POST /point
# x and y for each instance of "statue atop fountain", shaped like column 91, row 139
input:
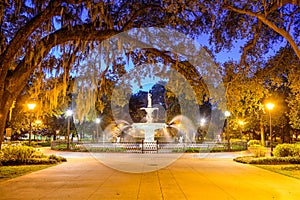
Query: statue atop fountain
column 149, row 100
column 149, row 109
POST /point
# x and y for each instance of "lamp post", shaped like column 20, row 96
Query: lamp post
column 69, row 113
column 201, row 132
column 241, row 123
column 38, row 123
column 227, row 115
column 31, row 107
column 98, row 120
column 270, row 107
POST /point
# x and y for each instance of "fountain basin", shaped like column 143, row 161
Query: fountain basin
column 149, row 129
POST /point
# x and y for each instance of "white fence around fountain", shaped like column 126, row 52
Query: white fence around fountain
column 145, row 147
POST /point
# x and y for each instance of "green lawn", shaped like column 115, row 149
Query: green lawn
column 8, row 172
column 288, row 170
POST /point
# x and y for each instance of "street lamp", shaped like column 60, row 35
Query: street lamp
column 202, row 122
column 31, row 107
column 270, row 107
column 98, row 120
column 69, row 113
column 227, row 115
column 241, row 123
column 201, row 131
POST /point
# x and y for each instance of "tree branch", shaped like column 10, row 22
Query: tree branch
column 129, row 23
column 23, row 34
column 250, row 44
column 180, row 67
column 26, row 67
column 271, row 25
column 279, row 4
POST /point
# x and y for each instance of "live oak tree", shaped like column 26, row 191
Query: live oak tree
column 52, row 36
column 32, row 32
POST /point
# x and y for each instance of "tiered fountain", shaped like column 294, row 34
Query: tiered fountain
column 149, row 127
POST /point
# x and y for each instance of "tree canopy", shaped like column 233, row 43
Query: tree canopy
column 43, row 42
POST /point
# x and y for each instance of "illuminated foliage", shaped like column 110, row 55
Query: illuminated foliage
column 42, row 42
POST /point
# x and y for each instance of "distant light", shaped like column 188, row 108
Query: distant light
column 69, row 113
column 270, row 106
column 202, row 122
column 38, row 121
column 227, row 113
column 98, row 120
column 241, row 122
column 31, row 106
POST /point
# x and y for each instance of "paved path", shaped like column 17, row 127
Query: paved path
column 193, row 176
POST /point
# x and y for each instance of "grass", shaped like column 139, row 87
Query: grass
column 288, row 170
column 8, row 172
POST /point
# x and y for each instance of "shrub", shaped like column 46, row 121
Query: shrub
column 103, row 149
column 177, row 150
column 192, row 150
column 60, row 147
column 287, row 150
column 57, row 158
column 297, row 150
column 32, row 143
column 20, row 155
column 254, row 143
column 257, row 150
column 16, row 154
column 268, row 160
column 41, row 161
column 44, row 144
column 238, row 147
column 72, row 146
column 218, row 149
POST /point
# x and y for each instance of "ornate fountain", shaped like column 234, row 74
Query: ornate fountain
column 149, row 127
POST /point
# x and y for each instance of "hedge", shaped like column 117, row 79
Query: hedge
column 267, row 160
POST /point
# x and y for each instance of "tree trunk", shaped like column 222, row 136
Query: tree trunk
column 5, row 104
column 262, row 133
column 282, row 135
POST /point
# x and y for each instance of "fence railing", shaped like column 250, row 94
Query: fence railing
column 147, row 147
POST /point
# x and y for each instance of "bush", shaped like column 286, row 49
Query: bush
column 238, row 147
column 297, row 150
column 287, row 150
column 268, row 160
column 21, row 155
column 254, row 143
column 257, row 150
column 57, row 158
column 41, row 161
column 32, row 143
column 16, row 154
column 44, row 144
column 106, row 149
column 60, row 147
column 72, row 146
column 215, row 149
column 177, row 150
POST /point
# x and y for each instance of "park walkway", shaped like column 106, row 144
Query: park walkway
column 192, row 176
